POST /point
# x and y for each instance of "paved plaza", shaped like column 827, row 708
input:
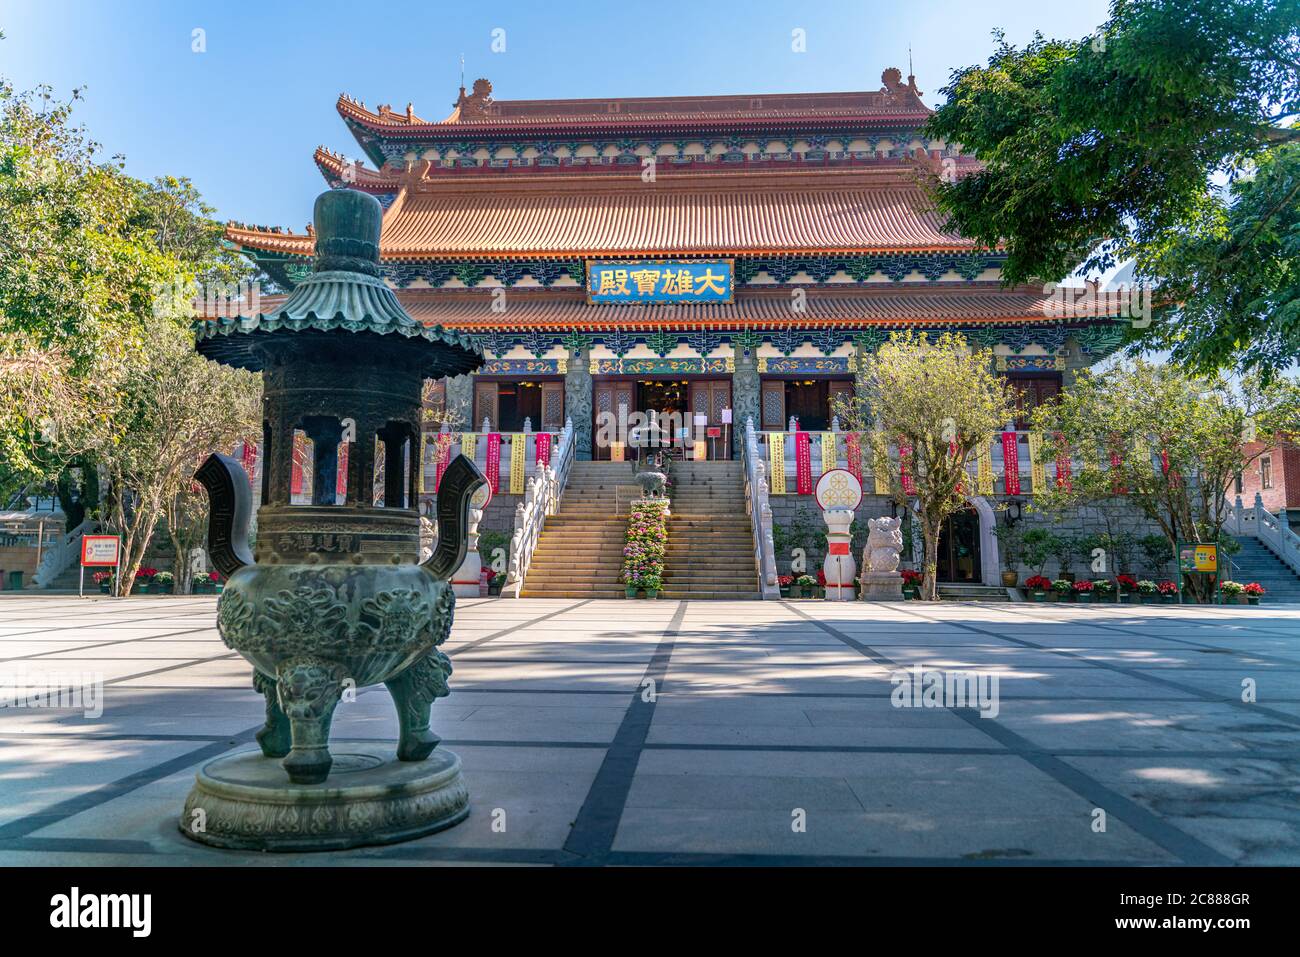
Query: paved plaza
column 618, row 732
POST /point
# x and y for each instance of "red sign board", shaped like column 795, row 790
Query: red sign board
column 100, row 550
column 713, row 432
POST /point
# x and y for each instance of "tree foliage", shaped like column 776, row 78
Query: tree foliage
column 944, row 402
column 1165, row 442
column 1114, row 147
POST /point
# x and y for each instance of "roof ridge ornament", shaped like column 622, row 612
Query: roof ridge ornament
column 895, row 89
column 476, row 104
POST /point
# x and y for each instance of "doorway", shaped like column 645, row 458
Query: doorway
column 959, row 548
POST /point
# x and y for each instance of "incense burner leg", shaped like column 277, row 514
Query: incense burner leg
column 309, row 690
column 414, row 692
column 274, row 738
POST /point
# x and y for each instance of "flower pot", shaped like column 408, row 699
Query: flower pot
column 1252, row 600
column 630, row 591
column 785, row 591
column 652, row 593
column 1168, row 599
column 219, row 586
column 1083, row 597
column 1038, row 595
column 105, row 587
column 1009, row 579
column 494, row 590
column 909, row 591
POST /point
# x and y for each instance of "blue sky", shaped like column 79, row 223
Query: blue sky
column 242, row 118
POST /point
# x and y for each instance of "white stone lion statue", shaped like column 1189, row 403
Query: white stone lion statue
column 884, row 542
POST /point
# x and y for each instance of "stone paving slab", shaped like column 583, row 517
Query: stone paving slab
column 595, row 731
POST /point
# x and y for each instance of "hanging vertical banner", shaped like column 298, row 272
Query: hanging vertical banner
column 904, row 460
column 803, row 463
column 984, row 470
column 494, row 461
column 829, row 458
column 542, row 440
column 880, row 463
column 1063, row 478
column 853, row 452
column 616, row 451
column 518, row 447
column 1011, row 463
column 1164, row 462
column 249, row 461
column 776, row 462
column 469, row 444
column 1037, row 470
column 341, row 484
column 441, row 459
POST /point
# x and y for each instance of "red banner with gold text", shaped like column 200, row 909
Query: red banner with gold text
column 1010, row 463
column 803, row 462
column 494, row 461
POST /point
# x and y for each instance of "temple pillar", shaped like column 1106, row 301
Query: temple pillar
column 745, row 390
column 460, row 401
column 577, row 400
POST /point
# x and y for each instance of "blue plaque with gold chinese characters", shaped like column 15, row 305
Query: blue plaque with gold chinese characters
column 631, row 282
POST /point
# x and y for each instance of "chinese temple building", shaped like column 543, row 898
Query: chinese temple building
column 723, row 258
column 494, row 215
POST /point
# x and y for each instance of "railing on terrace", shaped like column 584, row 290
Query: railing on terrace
column 462, row 440
column 1272, row 531
column 542, row 492
column 840, row 456
column 63, row 552
column 760, row 513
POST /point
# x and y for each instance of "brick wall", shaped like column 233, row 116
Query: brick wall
column 1285, row 491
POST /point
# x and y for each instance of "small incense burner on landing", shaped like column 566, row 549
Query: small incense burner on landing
column 332, row 598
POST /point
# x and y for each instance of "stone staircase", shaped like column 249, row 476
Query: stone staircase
column 954, row 591
column 580, row 551
column 710, row 540
column 1255, row 563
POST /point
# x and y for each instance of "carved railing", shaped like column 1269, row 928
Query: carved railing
column 1272, row 531
column 61, row 553
column 542, row 492
column 760, row 513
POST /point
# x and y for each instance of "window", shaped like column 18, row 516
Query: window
column 1237, row 484
column 1266, row 471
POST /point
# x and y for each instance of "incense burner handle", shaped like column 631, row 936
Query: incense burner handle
column 230, row 506
column 460, row 481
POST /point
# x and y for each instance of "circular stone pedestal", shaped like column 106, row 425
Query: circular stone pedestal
column 246, row 801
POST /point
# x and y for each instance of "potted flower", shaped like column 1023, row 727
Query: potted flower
column 645, row 547
column 784, row 582
column 821, row 584
column 1148, row 592
column 1168, row 591
column 911, row 582
column 1065, row 549
column 1037, row 586
column 164, row 583
column 1013, row 549
column 495, row 584
column 1127, row 586
column 215, row 580
column 1254, row 592
column 143, row 579
column 1063, row 588
column 805, row 586
column 652, row 584
column 1083, row 591
column 1103, row 588
column 1232, row 591
column 104, row 580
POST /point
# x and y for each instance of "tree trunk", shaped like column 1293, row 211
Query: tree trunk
column 930, row 568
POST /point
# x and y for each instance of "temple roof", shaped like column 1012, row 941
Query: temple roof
column 681, row 214
column 563, row 309
column 477, row 112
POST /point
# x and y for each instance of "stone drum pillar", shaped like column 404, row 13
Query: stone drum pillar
column 839, row 493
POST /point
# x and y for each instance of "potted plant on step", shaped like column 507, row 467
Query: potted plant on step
column 784, row 582
column 911, row 582
column 1127, row 586
column 104, row 580
column 1012, row 539
column 1254, row 591
column 1083, row 592
column 1232, row 592
column 1065, row 549
column 1037, row 587
column 164, row 583
column 216, row 581
column 1168, row 591
column 143, row 580
column 805, row 586
column 1148, row 592
column 496, row 584
column 1103, row 588
column 652, row 585
column 1063, row 588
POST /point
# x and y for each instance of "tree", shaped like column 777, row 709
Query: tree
column 940, row 401
column 1114, row 147
column 176, row 408
column 1165, row 442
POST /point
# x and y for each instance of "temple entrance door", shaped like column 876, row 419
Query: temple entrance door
column 607, row 397
column 959, row 548
column 708, row 398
